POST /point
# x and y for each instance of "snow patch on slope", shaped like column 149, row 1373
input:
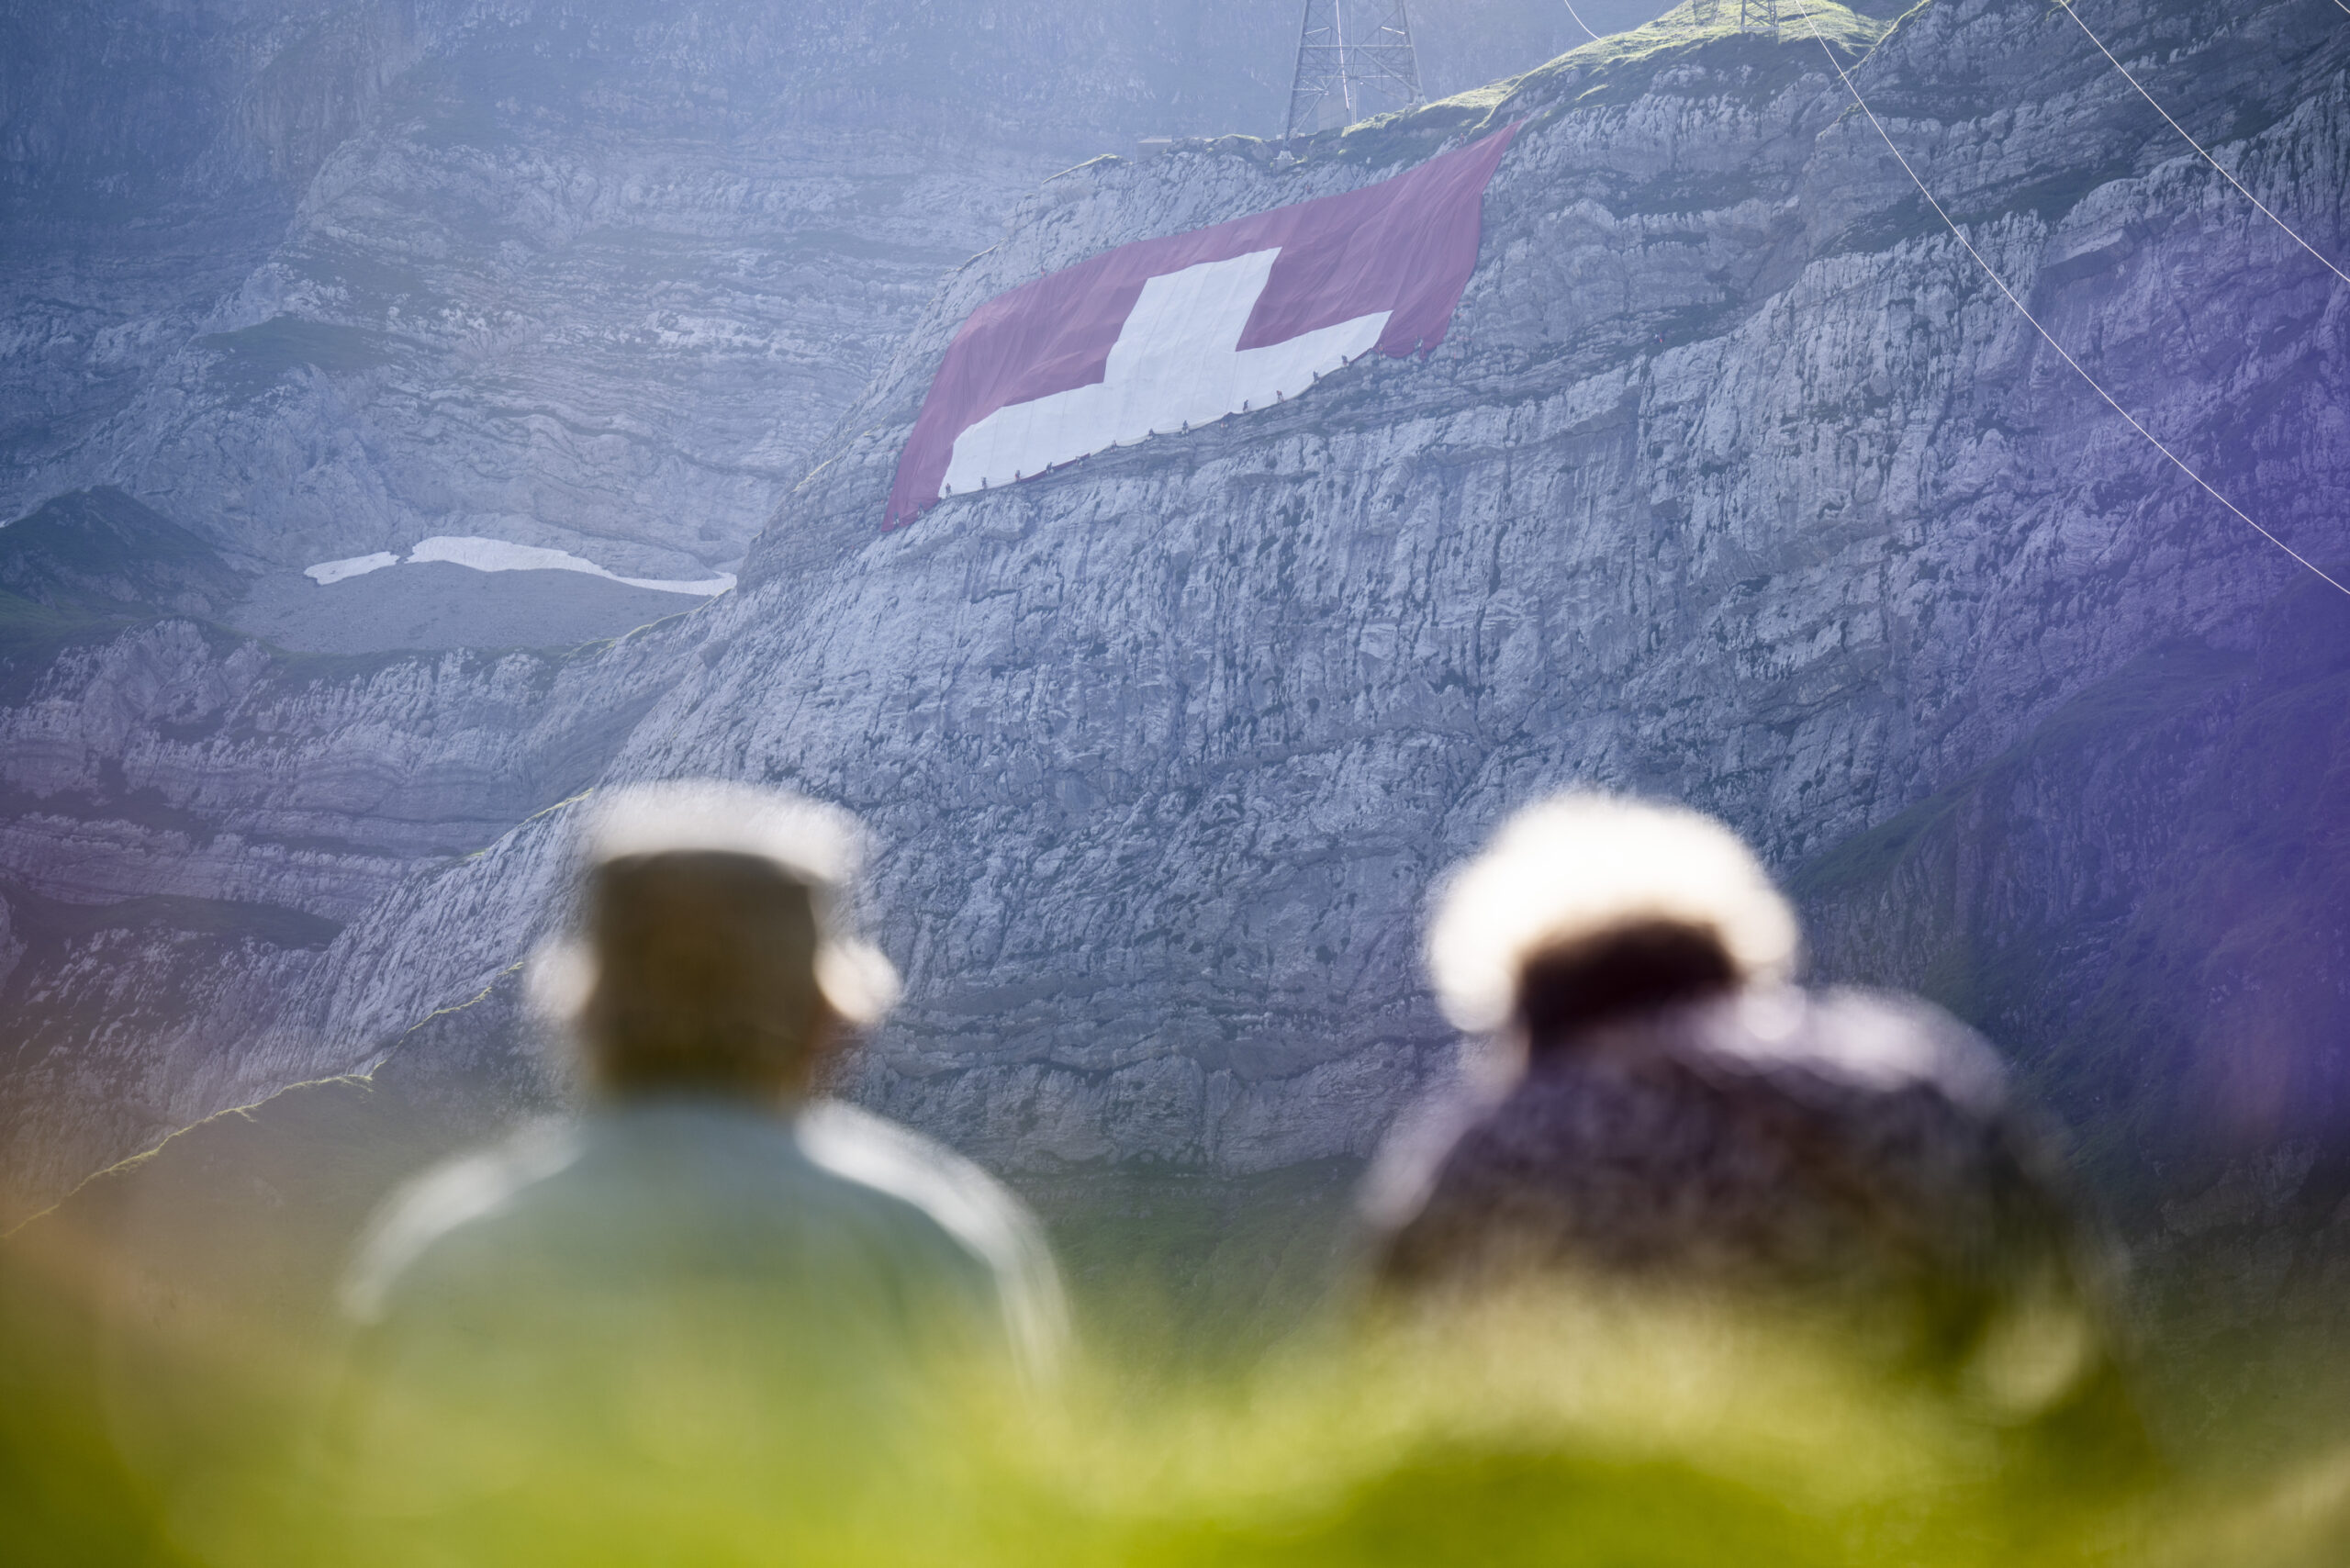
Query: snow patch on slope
column 497, row 555
column 327, row 571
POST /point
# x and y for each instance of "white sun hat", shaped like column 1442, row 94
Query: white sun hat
column 817, row 845
column 1579, row 864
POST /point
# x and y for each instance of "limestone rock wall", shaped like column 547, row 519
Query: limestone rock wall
column 1736, row 482
column 306, row 282
column 192, row 822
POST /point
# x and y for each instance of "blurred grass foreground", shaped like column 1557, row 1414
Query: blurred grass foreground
column 173, row 1379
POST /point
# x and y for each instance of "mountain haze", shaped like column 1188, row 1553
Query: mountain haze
column 1735, row 481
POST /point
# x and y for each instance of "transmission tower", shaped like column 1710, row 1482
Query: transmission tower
column 1377, row 72
column 1751, row 14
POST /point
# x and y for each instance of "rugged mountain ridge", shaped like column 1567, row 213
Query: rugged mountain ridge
column 1734, row 482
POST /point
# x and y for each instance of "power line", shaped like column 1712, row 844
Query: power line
column 2074, row 11
column 2021, row 309
column 1594, row 37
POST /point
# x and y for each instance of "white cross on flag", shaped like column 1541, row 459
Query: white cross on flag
column 1163, row 334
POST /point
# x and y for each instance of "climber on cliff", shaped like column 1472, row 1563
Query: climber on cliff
column 715, row 1276
column 1670, row 1111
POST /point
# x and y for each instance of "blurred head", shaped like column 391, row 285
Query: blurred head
column 714, row 956
column 1587, row 905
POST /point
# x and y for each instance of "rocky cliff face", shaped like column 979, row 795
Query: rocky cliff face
column 295, row 283
column 1736, row 481
column 192, row 822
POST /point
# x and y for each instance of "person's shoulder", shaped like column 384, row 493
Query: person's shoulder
column 1410, row 1159
column 1873, row 1042
column 465, row 1195
column 898, row 1162
column 972, row 1208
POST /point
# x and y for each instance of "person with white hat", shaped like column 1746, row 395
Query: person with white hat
column 714, row 1270
column 1672, row 1112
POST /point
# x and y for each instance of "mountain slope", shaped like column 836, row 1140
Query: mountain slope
column 1735, row 481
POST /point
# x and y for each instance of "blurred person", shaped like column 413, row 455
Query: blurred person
column 1667, row 1110
column 716, row 1298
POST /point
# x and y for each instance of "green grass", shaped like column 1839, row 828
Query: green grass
column 1610, row 71
column 168, row 1365
column 28, row 626
column 32, row 635
column 1568, row 1428
column 1194, row 1268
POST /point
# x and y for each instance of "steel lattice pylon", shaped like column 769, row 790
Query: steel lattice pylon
column 1378, row 72
column 1750, row 13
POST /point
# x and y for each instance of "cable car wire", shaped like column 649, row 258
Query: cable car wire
column 2074, row 11
column 1989, row 271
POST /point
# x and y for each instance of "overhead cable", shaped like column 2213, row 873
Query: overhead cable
column 1989, row 271
column 1594, row 37
column 2074, row 11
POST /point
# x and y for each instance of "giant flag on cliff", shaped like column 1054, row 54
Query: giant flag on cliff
column 1163, row 334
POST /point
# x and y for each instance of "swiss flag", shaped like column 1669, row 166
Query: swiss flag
column 1164, row 334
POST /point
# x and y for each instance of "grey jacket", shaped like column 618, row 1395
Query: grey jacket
column 691, row 1283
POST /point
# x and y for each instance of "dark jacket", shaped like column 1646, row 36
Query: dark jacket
column 1847, row 1152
